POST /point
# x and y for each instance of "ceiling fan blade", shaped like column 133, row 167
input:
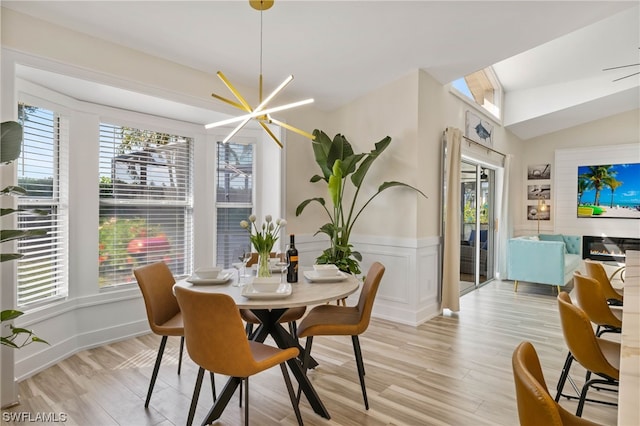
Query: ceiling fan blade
column 621, row 66
column 627, row 76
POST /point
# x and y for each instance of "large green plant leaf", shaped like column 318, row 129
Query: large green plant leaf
column 391, row 184
column 383, row 187
column 14, row 234
column 327, row 228
column 34, row 211
column 14, row 190
column 10, row 141
column 327, row 152
column 359, row 175
column 335, row 184
column 5, row 257
column 349, row 164
column 340, row 149
column 304, row 204
column 9, row 315
column 321, row 146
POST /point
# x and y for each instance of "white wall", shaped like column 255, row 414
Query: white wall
column 118, row 65
column 588, row 140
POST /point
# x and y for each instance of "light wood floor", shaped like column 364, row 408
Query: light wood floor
column 452, row 370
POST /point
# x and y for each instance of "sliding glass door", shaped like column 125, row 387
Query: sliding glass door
column 477, row 238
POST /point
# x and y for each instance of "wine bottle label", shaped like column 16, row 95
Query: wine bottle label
column 293, row 258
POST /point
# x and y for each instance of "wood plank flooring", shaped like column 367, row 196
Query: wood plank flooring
column 452, row 370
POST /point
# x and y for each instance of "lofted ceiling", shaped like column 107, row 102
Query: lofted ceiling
column 549, row 56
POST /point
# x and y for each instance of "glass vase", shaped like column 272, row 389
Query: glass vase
column 263, row 264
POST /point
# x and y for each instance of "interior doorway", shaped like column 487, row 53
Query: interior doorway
column 477, row 236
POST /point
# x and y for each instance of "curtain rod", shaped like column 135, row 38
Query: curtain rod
column 483, row 146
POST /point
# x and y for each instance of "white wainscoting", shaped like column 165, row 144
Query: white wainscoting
column 566, row 190
column 78, row 324
column 408, row 293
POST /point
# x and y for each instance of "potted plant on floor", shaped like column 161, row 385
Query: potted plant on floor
column 339, row 166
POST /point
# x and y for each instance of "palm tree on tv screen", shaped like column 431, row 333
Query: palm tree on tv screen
column 597, row 178
column 613, row 183
column 583, row 186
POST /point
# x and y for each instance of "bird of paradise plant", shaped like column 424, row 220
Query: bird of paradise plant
column 340, row 165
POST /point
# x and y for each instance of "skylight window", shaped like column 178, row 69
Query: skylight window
column 482, row 88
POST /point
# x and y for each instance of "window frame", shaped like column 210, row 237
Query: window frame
column 58, row 202
column 251, row 206
column 498, row 96
column 187, row 205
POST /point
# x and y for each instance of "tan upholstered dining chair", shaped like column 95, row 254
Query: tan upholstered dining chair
column 597, row 355
column 163, row 313
column 333, row 320
column 592, row 300
column 535, row 405
column 217, row 342
column 596, row 271
column 593, row 303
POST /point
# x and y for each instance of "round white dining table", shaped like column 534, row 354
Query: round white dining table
column 303, row 293
column 269, row 309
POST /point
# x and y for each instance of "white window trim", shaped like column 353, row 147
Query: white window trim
column 490, row 116
column 50, row 101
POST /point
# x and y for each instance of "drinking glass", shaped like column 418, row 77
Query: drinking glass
column 238, row 253
column 245, row 259
column 282, row 263
column 243, row 254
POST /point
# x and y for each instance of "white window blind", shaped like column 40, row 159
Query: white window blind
column 145, row 202
column 234, row 199
column 42, row 271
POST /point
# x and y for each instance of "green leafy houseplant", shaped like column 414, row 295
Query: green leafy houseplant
column 339, row 166
column 10, row 147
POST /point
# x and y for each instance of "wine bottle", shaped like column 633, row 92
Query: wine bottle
column 292, row 260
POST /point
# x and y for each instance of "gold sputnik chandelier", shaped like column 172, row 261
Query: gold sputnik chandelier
column 262, row 112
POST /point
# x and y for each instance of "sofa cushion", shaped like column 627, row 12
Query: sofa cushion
column 573, row 244
column 553, row 237
column 572, row 262
column 484, row 233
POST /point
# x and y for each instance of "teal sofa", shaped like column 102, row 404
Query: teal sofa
column 544, row 259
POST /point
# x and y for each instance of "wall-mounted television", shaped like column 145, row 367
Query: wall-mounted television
column 609, row 191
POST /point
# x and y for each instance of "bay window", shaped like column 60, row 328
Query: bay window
column 146, row 204
column 234, row 199
column 42, row 269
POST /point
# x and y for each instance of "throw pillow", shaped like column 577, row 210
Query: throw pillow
column 554, row 237
column 483, row 238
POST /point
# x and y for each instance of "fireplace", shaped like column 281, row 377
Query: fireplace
column 608, row 249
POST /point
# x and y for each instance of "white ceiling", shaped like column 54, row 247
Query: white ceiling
column 548, row 55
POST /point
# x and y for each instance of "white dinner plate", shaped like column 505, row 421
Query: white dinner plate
column 220, row 279
column 315, row 278
column 280, row 292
